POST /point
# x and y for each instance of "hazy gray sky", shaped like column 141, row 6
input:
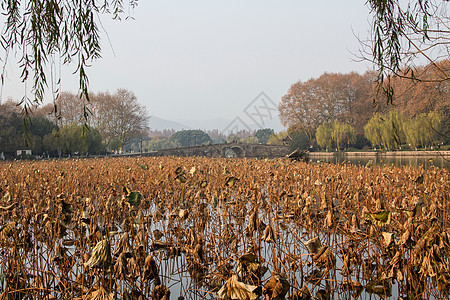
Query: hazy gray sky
column 206, row 59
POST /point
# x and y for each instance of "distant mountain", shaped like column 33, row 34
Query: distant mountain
column 224, row 125
column 207, row 124
column 156, row 123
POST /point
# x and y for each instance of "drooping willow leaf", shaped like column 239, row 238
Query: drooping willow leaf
column 68, row 30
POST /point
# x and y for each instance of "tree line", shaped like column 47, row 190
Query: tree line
column 348, row 110
column 73, row 125
column 106, row 123
column 333, row 111
column 195, row 137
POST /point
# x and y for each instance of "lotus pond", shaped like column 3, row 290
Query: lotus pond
column 200, row 228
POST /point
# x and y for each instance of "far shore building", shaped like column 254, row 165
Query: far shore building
column 23, row 152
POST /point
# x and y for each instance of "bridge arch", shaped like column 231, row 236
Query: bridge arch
column 233, row 151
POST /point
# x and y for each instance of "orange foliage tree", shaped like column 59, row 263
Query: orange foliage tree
column 346, row 98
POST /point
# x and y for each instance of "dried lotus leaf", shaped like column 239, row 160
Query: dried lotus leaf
column 388, row 239
column 157, row 234
column 352, row 285
column 133, row 268
column 236, row 290
column 405, row 238
column 253, row 221
column 382, row 288
column 178, row 170
column 324, row 258
column 183, row 214
column 269, row 236
column 8, row 207
column 301, row 294
column 7, row 197
column 192, row 170
column 151, row 270
column 313, row 245
column 276, row 287
column 329, row 220
column 121, row 267
column 180, row 178
column 100, row 294
column 6, row 230
column 160, row 292
column 101, row 255
column 123, row 246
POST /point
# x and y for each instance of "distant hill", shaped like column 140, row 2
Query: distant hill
column 156, row 123
column 222, row 124
column 219, row 124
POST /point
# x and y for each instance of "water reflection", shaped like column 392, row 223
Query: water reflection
column 414, row 161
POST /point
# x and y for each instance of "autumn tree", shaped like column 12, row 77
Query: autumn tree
column 343, row 97
column 250, row 140
column 119, row 117
column 374, row 130
column 444, row 128
column 416, row 97
column 39, row 129
column 68, row 108
column 299, row 140
column 298, row 108
column 10, row 127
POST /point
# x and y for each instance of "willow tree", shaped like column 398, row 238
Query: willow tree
column 374, row 130
column 420, row 130
column 386, row 130
column 343, row 133
column 335, row 133
column 323, row 136
column 48, row 33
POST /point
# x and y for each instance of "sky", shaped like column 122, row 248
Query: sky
column 210, row 59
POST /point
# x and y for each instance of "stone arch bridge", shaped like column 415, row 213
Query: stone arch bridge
column 225, row 150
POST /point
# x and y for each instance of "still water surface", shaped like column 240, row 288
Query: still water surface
column 426, row 162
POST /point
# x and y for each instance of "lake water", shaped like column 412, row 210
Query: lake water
column 425, row 161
